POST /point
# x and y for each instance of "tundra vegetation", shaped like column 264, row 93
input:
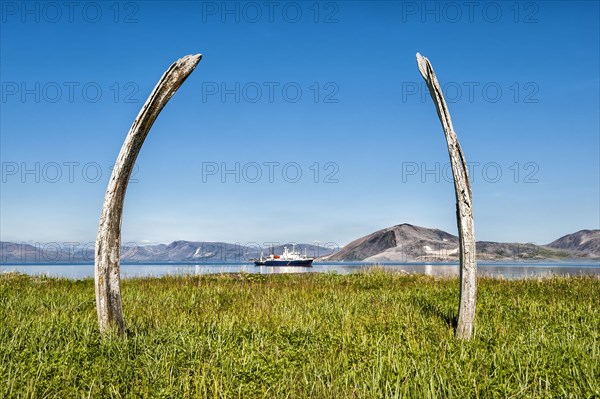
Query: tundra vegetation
column 365, row 335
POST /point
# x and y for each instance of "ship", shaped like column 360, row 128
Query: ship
column 288, row 258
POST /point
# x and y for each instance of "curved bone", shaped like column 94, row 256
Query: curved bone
column 464, row 209
column 108, row 242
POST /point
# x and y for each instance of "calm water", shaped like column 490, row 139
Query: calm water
column 507, row 270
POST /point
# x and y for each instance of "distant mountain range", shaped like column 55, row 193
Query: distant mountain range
column 400, row 243
column 408, row 243
column 177, row 251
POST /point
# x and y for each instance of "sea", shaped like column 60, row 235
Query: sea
column 504, row 270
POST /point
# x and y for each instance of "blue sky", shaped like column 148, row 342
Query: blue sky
column 303, row 122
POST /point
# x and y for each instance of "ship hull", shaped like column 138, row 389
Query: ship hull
column 280, row 262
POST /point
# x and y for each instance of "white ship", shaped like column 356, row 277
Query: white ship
column 288, row 258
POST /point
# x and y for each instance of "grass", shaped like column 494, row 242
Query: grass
column 366, row 335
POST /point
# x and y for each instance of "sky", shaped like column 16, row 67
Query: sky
column 304, row 121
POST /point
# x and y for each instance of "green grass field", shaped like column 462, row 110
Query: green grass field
column 366, row 335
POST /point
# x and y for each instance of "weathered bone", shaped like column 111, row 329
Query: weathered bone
column 107, row 272
column 464, row 209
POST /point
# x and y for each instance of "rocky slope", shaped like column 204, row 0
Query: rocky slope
column 408, row 243
column 584, row 243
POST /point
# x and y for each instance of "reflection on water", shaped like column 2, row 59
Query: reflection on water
column 283, row 269
column 500, row 270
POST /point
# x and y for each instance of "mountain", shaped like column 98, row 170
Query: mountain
column 188, row 251
column 13, row 252
column 585, row 243
column 177, row 251
column 400, row 243
column 403, row 242
column 408, row 243
column 192, row 251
